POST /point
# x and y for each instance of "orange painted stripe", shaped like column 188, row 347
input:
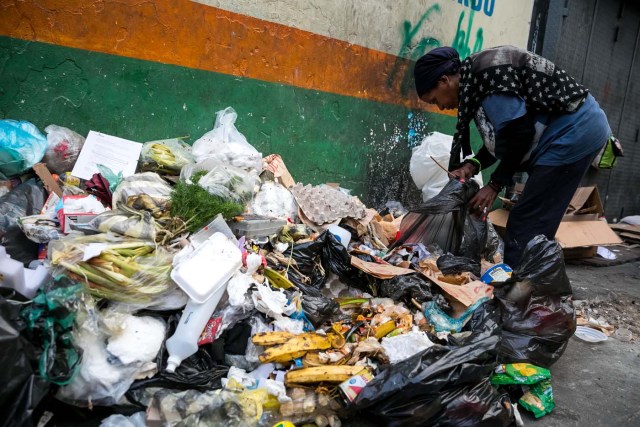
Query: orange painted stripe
column 194, row 35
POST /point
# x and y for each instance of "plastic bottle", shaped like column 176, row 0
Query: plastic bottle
column 184, row 342
column 11, row 272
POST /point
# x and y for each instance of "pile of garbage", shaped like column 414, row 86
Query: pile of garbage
column 202, row 284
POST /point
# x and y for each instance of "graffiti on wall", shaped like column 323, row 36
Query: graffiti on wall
column 466, row 40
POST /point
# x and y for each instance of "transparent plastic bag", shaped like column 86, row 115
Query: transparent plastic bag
column 64, row 147
column 116, row 268
column 104, row 377
column 147, row 185
column 21, row 146
column 222, row 180
column 126, row 222
column 274, row 201
column 166, row 156
column 226, row 144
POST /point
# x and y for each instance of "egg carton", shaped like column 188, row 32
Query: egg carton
column 323, row 204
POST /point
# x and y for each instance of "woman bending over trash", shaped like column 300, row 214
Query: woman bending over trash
column 531, row 116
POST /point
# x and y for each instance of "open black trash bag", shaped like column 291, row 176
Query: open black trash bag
column 26, row 199
column 315, row 259
column 22, row 388
column 538, row 317
column 441, row 219
column 451, row 264
column 443, row 385
column 410, row 286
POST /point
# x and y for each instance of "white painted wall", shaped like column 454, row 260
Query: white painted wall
column 383, row 24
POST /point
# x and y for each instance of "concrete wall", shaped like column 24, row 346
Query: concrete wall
column 327, row 84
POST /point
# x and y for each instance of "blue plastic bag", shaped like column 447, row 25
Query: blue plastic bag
column 21, row 146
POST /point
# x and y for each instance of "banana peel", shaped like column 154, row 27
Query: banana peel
column 292, row 348
column 267, row 339
column 277, row 279
column 322, row 374
column 384, row 329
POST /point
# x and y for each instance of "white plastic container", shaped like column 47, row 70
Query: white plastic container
column 184, row 342
column 13, row 275
column 11, row 272
column 343, row 235
column 208, row 267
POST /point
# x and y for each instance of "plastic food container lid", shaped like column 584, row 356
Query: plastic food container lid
column 210, row 266
column 590, row 334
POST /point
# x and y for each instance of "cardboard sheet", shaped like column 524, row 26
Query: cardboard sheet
column 571, row 234
column 466, row 294
column 381, row 271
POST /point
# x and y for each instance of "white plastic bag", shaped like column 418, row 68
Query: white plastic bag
column 226, row 144
column 426, row 174
column 64, row 146
column 274, row 201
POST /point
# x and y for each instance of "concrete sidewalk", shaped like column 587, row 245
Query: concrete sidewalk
column 599, row 384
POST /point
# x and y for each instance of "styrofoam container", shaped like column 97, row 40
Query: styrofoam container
column 207, row 268
column 589, row 334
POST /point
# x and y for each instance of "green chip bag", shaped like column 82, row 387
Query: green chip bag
column 519, row 373
column 539, row 399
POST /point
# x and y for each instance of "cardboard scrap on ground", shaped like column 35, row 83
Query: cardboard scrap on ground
column 386, row 228
column 466, row 294
column 276, row 166
column 381, row 271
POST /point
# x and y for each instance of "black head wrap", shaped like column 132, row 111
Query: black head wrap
column 432, row 66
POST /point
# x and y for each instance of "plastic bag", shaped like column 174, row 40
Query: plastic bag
column 21, row 146
column 126, row 222
column 274, row 201
column 118, row 420
column 439, row 386
column 440, row 220
column 49, row 319
column 225, row 181
column 22, row 387
column 226, row 144
column 449, row 264
column 64, row 147
column 147, row 184
column 166, row 156
column 426, row 174
column 117, row 268
column 538, row 316
column 410, row 286
column 24, row 200
column 320, row 309
column 117, row 347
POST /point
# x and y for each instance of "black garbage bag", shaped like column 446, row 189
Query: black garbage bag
column 22, row 388
column 309, row 273
column 315, row 259
column 408, row 287
column 451, row 264
column 320, row 309
column 441, row 219
column 26, row 199
column 474, row 239
column 199, row 371
column 538, row 317
column 419, row 390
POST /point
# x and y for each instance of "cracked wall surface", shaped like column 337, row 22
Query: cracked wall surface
column 142, row 70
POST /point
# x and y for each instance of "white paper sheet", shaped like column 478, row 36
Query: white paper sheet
column 119, row 155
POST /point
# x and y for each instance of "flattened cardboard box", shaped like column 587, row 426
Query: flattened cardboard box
column 571, row 234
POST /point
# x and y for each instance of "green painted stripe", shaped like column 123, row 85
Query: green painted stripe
column 322, row 137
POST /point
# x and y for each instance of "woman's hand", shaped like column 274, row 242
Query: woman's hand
column 465, row 172
column 482, row 202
